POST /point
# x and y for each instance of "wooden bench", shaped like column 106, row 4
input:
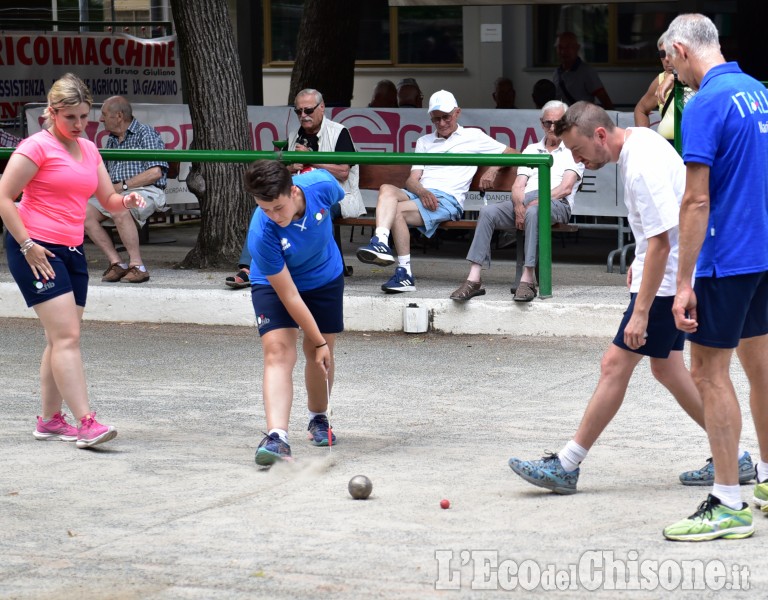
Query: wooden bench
column 372, row 177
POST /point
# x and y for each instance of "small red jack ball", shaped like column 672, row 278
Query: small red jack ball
column 445, row 503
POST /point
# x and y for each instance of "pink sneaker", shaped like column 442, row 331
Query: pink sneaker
column 55, row 429
column 92, row 432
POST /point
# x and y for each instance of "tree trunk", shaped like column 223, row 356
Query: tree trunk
column 326, row 50
column 216, row 99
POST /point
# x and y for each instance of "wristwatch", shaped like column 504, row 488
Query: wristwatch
column 125, row 186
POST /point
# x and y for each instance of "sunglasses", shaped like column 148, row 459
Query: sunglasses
column 662, row 54
column 446, row 118
column 547, row 123
column 306, row 111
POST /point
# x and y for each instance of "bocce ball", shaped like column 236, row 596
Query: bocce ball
column 360, row 487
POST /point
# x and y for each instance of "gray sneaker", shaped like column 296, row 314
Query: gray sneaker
column 547, row 473
column 706, row 475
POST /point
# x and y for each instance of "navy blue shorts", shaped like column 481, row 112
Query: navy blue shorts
column 663, row 336
column 730, row 309
column 70, row 267
column 326, row 304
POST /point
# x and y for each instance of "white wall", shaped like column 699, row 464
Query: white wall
column 483, row 62
column 472, row 85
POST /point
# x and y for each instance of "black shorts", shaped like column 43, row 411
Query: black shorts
column 663, row 336
column 326, row 304
column 70, row 267
column 729, row 309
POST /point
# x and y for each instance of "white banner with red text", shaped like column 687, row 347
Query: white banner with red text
column 111, row 64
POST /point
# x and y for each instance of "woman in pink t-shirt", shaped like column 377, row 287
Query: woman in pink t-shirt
column 55, row 172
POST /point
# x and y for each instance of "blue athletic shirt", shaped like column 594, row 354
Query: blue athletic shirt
column 306, row 246
column 725, row 126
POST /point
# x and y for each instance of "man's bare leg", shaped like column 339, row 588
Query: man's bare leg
column 129, row 235
column 710, row 368
column 753, row 355
column 98, row 235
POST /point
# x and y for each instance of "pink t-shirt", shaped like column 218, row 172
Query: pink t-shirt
column 53, row 203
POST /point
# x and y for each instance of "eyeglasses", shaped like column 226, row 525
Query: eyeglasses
column 547, row 124
column 662, row 54
column 446, row 118
column 306, row 111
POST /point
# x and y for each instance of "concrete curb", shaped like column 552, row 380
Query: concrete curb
column 362, row 312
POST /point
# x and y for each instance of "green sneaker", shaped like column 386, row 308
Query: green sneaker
column 713, row 520
column 761, row 495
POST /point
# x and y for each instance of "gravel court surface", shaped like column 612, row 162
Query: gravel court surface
column 175, row 507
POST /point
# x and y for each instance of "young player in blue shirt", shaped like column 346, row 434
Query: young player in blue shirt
column 297, row 281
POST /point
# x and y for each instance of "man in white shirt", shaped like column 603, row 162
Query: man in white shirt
column 654, row 182
column 523, row 210
column 432, row 194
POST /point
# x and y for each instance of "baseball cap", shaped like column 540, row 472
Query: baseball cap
column 442, row 101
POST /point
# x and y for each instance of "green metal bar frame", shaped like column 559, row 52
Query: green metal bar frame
column 543, row 162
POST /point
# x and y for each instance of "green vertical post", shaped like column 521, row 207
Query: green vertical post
column 677, row 90
column 545, row 232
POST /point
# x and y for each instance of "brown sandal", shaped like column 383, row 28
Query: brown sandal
column 525, row 292
column 467, row 290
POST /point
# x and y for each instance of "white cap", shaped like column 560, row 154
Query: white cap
column 442, row 101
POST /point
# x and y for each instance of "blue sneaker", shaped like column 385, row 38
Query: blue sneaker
column 272, row 449
column 317, row 431
column 706, row 475
column 399, row 282
column 376, row 253
column 547, row 473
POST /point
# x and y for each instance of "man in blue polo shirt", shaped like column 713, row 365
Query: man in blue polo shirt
column 723, row 224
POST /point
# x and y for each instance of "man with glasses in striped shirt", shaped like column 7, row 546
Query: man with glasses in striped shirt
column 148, row 178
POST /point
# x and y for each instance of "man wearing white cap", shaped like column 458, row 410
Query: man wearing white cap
column 432, row 194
